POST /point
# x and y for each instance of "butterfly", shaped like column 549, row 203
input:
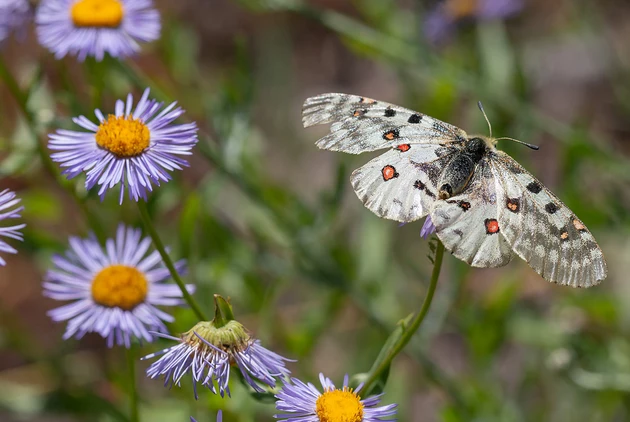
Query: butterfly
column 484, row 205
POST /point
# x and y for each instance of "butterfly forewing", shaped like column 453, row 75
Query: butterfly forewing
column 468, row 224
column 543, row 231
column 360, row 124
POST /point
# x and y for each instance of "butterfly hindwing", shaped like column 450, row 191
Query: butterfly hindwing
column 468, row 224
column 360, row 124
column 400, row 184
column 543, row 231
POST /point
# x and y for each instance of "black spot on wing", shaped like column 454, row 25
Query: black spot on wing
column 551, row 208
column 415, row 118
column 534, row 187
column 390, row 112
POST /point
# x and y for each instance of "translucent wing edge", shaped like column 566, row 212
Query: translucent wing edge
column 508, row 164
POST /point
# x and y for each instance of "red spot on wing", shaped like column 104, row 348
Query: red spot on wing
column 389, row 172
column 492, row 226
column 403, row 147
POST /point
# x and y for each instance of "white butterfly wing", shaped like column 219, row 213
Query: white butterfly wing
column 467, row 224
column 543, row 231
column 401, row 183
column 360, row 124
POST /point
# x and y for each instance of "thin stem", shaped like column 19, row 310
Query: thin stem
column 157, row 242
column 133, row 391
column 21, row 98
column 415, row 324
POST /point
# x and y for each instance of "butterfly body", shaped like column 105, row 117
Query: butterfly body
column 485, row 206
column 460, row 169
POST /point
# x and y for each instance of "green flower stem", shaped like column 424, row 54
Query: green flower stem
column 22, row 101
column 148, row 224
column 21, row 98
column 384, row 365
column 133, row 391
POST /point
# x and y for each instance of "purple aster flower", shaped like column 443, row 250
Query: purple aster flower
column 85, row 28
column 427, row 228
column 8, row 201
column 13, row 16
column 442, row 21
column 130, row 148
column 114, row 289
column 208, row 352
column 302, row 402
column 219, row 417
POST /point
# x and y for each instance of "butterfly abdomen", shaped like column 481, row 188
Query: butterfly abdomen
column 460, row 169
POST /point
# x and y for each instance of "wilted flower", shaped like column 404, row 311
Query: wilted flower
column 13, row 15
column 8, row 201
column 209, row 349
column 115, row 289
column 94, row 27
column 302, row 402
column 443, row 19
column 133, row 149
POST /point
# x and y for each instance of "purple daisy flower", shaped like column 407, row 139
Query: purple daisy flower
column 208, row 352
column 85, row 28
column 13, row 15
column 219, row 417
column 8, row 201
column 114, row 289
column 305, row 403
column 427, row 228
column 132, row 148
column 442, row 21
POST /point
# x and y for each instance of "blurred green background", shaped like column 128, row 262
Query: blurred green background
column 266, row 218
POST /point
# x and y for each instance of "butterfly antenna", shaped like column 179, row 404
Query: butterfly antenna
column 534, row 147
column 484, row 115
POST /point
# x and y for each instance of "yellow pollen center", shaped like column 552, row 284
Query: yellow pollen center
column 97, row 13
column 339, row 406
column 123, row 136
column 460, row 8
column 119, row 286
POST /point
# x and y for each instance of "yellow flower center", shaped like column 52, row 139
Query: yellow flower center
column 119, row 286
column 339, row 406
column 97, row 13
column 460, row 8
column 123, row 136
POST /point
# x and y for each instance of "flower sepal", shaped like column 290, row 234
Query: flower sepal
column 222, row 311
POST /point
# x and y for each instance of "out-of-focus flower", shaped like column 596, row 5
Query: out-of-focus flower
column 302, row 402
column 8, row 210
column 13, row 15
column 219, row 417
column 209, row 349
column 130, row 148
column 114, row 289
column 442, row 21
column 427, row 228
column 94, row 27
